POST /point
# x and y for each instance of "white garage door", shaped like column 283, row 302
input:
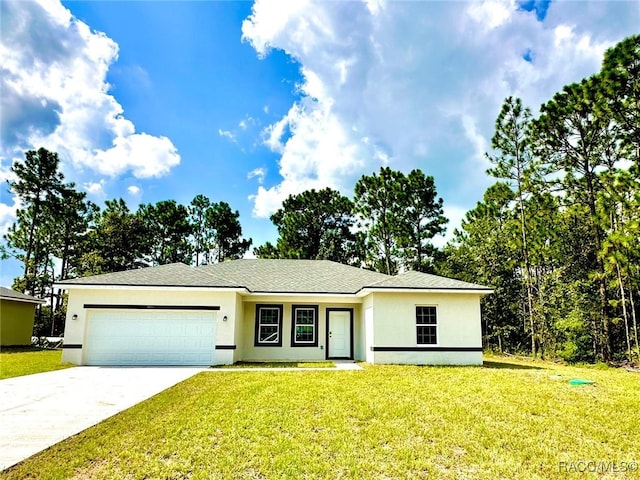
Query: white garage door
column 153, row 337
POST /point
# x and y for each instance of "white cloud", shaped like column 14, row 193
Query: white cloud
column 246, row 122
column 258, row 173
column 8, row 215
column 95, row 189
column 227, row 134
column 55, row 94
column 134, row 190
column 416, row 84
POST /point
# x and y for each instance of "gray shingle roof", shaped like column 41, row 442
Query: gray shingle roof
column 295, row 276
column 274, row 276
column 170, row 275
column 418, row 280
column 7, row 293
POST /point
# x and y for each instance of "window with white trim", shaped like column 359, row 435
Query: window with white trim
column 304, row 326
column 427, row 325
column 268, row 326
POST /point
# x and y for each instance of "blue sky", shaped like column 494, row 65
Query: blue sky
column 250, row 102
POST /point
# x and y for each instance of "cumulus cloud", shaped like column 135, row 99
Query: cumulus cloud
column 8, row 215
column 416, row 84
column 258, row 173
column 55, row 94
column 134, row 190
column 96, row 189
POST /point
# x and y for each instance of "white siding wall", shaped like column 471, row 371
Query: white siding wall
column 368, row 328
column 252, row 353
column 458, row 326
column 75, row 330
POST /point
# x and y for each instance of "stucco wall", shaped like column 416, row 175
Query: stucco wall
column 252, row 353
column 75, row 330
column 16, row 322
column 458, row 325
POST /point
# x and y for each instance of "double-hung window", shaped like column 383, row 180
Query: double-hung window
column 304, row 326
column 268, row 326
column 427, row 325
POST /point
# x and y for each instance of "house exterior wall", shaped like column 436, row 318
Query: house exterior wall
column 239, row 330
column 458, row 328
column 16, row 322
column 286, row 352
column 76, row 330
column 384, row 324
column 367, row 309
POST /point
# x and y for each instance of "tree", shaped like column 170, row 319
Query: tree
column 38, row 182
column 118, row 240
column 573, row 139
column 401, row 215
column 423, row 220
column 201, row 233
column 379, row 200
column 620, row 86
column 226, row 238
column 513, row 163
column 169, row 229
column 481, row 251
column 315, row 224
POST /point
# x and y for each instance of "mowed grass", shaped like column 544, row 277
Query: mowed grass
column 18, row 361
column 282, row 365
column 508, row 420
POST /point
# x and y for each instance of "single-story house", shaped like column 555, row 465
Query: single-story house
column 270, row 310
column 17, row 313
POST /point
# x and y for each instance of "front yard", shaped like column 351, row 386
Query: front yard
column 18, row 361
column 508, row 420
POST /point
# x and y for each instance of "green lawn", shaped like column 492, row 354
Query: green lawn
column 18, row 361
column 508, row 420
column 282, row 365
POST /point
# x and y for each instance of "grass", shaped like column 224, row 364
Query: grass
column 509, row 420
column 282, row 365
column 18, row 361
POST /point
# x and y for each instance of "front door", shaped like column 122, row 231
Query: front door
column 340, row 333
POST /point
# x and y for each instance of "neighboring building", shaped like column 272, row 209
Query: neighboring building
column 17, row 313
column 270, row 310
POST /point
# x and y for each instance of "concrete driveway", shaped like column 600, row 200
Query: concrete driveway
column 37, row 411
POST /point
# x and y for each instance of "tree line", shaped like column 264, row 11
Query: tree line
column 59, row 234
column 558, row 234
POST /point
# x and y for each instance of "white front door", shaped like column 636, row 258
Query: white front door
column 339, row 325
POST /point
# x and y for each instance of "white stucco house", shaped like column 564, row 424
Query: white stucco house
column 271, row 310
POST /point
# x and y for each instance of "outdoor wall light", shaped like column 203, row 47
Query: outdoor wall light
column 224, row 319
column 74, row 316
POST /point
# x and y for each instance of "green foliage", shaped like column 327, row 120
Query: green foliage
column 118, row 241
column 400, row 215
column 216, row 231
column 315, row 224
column 562, row 252
column 169, row 229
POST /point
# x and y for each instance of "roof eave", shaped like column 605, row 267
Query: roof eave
column 35, row 301
column 119, row 286
column 367, row 290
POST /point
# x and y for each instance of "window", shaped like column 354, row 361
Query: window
column 268, row 326
column 304, row 326
column 426, row 325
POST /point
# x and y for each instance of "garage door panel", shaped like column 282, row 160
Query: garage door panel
column 134, row 337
